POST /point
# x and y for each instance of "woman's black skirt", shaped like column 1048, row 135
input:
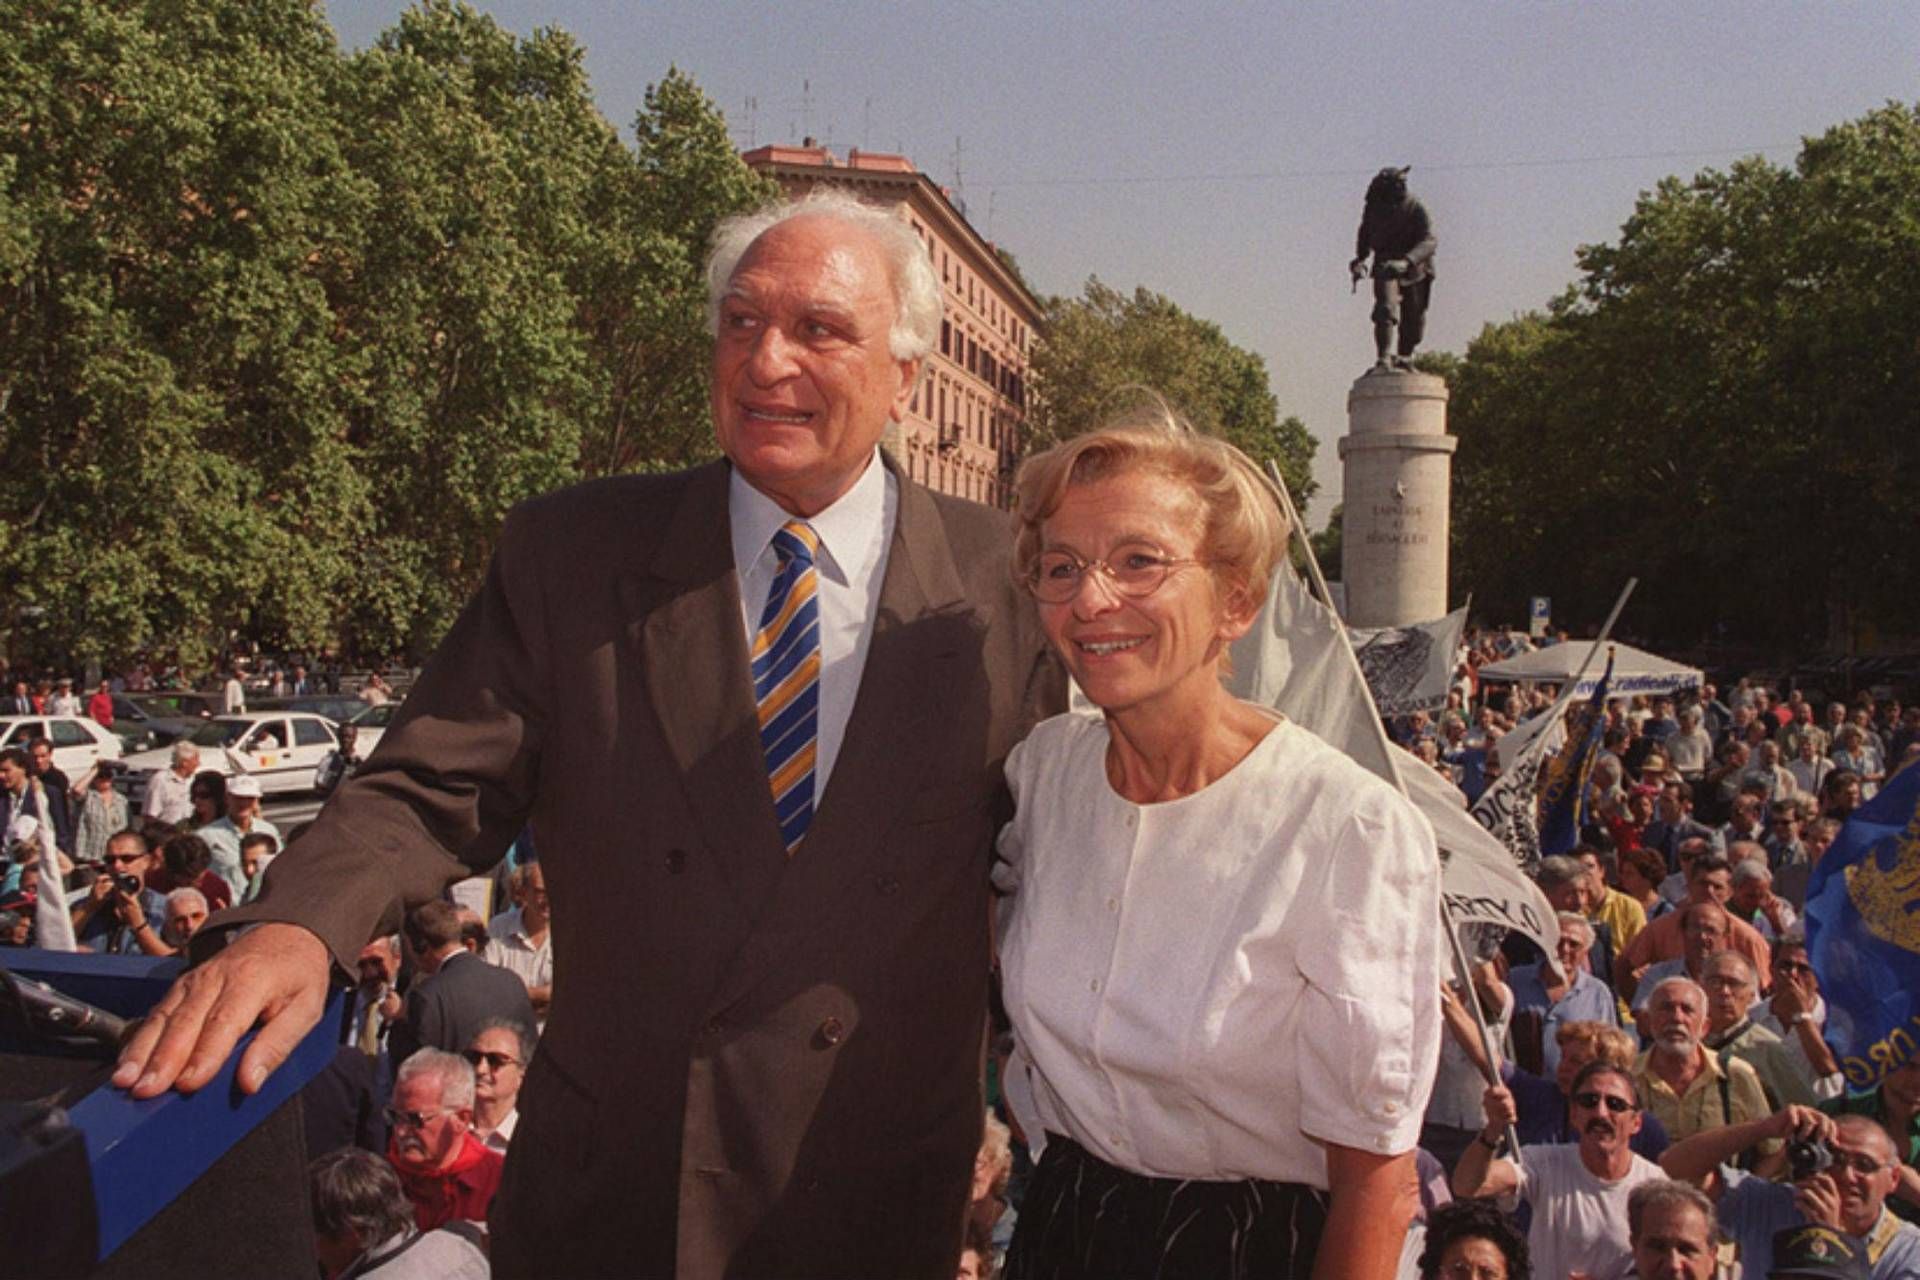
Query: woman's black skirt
column 1084, row 1219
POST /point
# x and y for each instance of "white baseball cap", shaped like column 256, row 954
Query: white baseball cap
column 244, row 786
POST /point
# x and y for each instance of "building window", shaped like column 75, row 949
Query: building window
column 946, row 338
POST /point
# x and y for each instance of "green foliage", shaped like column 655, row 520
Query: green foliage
column 1098, row 351
column 1723, row 405
column 284, row 332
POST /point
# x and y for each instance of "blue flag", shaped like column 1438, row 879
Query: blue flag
column 1563, row 790
column 1863, row 933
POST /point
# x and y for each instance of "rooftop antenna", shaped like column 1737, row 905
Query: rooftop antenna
column 753, row 120
column 806, row 106
column 866, row 125
column 993, row 197
column 959, row 182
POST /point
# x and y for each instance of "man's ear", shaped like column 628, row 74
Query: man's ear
column 909, row 379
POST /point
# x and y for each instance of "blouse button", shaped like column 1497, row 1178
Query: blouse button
column 1094, row 986
column 1113, row 904
column 1130, row 818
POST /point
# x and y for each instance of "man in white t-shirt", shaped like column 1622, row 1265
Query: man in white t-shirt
column 1578, row 1190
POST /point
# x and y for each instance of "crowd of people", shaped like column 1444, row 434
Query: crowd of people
column 1668, row 1065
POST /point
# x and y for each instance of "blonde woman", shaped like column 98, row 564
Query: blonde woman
column 1222, row 946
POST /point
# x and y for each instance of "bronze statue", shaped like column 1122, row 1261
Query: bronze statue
column 1395, row 231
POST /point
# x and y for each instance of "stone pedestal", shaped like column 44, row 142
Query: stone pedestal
column 1395, row 499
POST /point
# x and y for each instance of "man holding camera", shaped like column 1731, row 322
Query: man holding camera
column 1841, row 1173
column 121, row 916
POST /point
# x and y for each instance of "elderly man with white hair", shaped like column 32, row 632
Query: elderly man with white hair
column 167, row 790
column 1688, row 1088
column 1754, row 900
column 448, row 1173
column 1560, row 990
column 186, row 912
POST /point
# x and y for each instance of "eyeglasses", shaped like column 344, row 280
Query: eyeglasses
column 1858, row 1161
column 1593, row 1098
column 398, row 1119
column 120, row 859
column 1793, row 966
column 495, row 1061
column 1135, row 572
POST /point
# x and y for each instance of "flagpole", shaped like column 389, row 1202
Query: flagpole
column 1472, row 1000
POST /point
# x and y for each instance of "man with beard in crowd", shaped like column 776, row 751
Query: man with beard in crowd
column 1689, row 1088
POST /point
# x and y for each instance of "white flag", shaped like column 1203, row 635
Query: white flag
column 1410, row 668
column 1509, row 807
column 1292, row 659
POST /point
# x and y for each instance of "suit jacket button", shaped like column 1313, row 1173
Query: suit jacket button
column 831, row 1033
column 676, row 861
column 885, row 884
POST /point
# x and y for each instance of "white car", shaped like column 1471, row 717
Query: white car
column 77, row 741
column 280, row 748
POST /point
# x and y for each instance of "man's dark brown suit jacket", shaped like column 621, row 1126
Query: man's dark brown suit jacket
column 753, row 1066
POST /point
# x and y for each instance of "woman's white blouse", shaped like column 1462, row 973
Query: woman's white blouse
column 1212, row 986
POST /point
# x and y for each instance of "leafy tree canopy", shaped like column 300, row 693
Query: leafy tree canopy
column 1724, row 405
column 1098, row 352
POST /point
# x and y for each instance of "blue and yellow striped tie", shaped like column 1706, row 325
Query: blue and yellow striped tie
column 786, row 679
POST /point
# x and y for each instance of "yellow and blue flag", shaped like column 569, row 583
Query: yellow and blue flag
column 1563, row 788
column 1863, row 933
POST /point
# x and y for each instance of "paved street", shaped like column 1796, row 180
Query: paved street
column 286, row 812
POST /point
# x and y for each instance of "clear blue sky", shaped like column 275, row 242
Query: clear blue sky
column 1217, row 153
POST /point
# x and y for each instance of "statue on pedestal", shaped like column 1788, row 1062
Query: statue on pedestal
column 1396, row 233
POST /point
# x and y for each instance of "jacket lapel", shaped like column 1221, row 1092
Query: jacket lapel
column 693, row 650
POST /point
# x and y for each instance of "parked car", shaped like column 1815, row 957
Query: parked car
column 337, row 707
column 139, row 731
column 371, row 725
column 281, row 749
column 77, row 741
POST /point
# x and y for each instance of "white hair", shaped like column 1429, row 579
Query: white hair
column 1748, row 869
column 916, row 291
column 456, row 1076
column 1699, row 992
column 184, row 751
column 183, row 898
column 1574, row 920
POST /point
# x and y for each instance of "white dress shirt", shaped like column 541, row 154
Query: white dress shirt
column 169, row 797
column 855, row 533
column 1211, row 986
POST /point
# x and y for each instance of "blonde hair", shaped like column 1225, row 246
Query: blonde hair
column 1243, row 534
column 1609, row 1044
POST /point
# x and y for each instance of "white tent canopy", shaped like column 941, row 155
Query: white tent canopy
column 1634, row 670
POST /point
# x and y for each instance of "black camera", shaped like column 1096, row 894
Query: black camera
column 128, row 884
column 1806, row 1157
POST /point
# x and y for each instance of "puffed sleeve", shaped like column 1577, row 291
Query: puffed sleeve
column 1371, row 1010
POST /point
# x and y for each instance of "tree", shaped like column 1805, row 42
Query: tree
column 1723, row 406
column 481, row 151
column 645, row 311
column 173, row 462
column 284, row 333
column 1098, row 351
